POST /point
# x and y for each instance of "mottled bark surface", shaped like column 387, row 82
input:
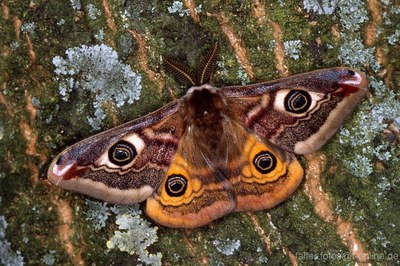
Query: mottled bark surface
column 69, row 69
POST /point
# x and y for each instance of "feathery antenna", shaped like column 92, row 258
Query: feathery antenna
column 185, row 74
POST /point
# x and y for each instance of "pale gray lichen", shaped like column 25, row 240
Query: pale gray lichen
column 3, row 226
column 198, row 9
column 28, row 27
column 61, row 22
column 386, row 2
column 394, row 38
column 226, row 246
column 48, row 258
column 368, row 123
column 7, row 255
column 134, row 234
column 76, row 4
column 353, row 53
column 14, row 46
column 263, row 260
column 395, row 10
column 99, row 35
column 93, row 11
column 242, row 76
column 271, row 45
column 352, row 14
column 380, row 238
column 97, row 69
column 292, row 49
column 97, row 213
column 282, row 3
column 324, row 7
column 177, row 7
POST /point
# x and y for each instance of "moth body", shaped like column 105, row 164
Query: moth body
column 215, row 150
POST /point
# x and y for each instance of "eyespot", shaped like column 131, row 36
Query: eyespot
column 265, row 162
column 351, row 72
column 297, row 101
column 122, row 153
column 176, row 185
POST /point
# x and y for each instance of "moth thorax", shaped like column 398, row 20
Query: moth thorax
column 203, row 107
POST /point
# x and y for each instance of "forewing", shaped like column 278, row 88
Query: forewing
column 301, row 112
column 122, row 165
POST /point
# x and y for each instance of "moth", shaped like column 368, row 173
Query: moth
column 215, row 150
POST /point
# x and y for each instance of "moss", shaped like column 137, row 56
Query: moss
column 26, row 229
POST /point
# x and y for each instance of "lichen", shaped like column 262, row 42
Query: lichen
column 76, row 4
column 97, row 213
column 226, row 246
column 353, row 53
column 96, row 69
column 292, row 49
column 242, row 76
column 28, row 27
column 353, row 14
column 48, row 258
column 99, row 35
column 394, row 38
column 134, row 234
column 93, row 11
column 177, row 7
column 327, row 7
column 7, row 255
column 363, row 133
